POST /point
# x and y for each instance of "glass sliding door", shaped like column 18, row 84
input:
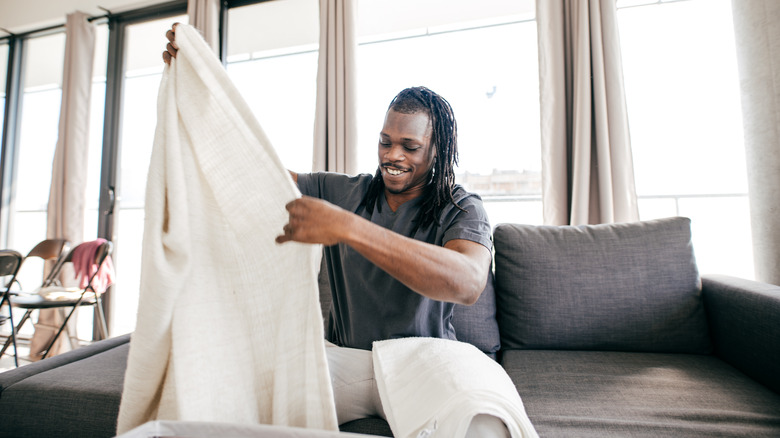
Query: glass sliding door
column 39, row 124
column 40, row 101
column 144, row 43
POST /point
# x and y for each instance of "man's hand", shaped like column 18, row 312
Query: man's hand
column 313, row 220
column 456, row 272
column 171, row 48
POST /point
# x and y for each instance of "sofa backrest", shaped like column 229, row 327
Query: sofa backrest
column 620, row 287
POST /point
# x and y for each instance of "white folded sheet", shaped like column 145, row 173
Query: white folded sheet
column 434, row 387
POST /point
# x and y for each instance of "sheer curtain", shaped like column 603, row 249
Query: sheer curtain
column 757, row 34
column 335, row 133
column 67, row 196
column 204, row 16
column 587, row 167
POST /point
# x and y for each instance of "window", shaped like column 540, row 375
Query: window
column 682, row 88
column 482, row 58
column 144, row 42
column 272, row 60
column 38, row 134
column 39, row 131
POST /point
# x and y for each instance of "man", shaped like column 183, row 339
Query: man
column 402, row 246
column 407, row 242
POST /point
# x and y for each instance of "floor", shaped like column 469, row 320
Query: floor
column 23, row 341
column 7, row 361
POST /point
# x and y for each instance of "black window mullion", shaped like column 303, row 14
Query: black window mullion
column 10, row 140
column 223, row 24
column 111, row 127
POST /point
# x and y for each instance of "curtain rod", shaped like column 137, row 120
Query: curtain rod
column 50, row 28
column 108, row 15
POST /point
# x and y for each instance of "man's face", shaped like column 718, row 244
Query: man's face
column 405, row 152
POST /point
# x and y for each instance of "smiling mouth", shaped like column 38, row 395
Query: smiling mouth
column 394, row 171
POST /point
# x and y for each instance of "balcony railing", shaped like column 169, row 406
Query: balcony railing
column 720, row 224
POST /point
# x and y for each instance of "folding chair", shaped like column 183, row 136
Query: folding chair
column 49, row 250
column 85, row 296
column 10, row 262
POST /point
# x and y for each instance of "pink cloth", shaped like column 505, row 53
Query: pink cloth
column 84, row 265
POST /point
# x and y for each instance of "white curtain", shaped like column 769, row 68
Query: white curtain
column 67, row 195
column 757, row 33
column 335, row 133
column 204, row 16
column 587, row 167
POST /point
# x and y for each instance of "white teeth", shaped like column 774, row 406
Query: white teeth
column 394, row 172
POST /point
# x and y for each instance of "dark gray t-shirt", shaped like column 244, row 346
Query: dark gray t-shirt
column 368, row 304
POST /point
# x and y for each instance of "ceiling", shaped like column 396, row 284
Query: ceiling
column 19, row 16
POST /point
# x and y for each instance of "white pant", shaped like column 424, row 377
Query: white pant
column 357, row 395
column 354, row 386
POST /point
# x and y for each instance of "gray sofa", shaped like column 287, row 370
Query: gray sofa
column 605, row 330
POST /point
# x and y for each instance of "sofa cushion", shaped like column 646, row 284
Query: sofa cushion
column 624, row 287
column 616, row 394
column 476, row 324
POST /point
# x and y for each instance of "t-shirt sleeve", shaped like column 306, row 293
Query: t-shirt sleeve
column 472, row 224
column 337, row 188
column 309, row 184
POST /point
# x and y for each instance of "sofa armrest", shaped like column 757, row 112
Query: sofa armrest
column 10, row 377
column 744, row 320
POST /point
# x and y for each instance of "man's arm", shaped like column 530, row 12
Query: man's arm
column 456, row 272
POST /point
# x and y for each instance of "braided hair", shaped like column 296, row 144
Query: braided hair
column 438, row 192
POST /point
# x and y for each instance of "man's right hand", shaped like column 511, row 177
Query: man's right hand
column 171, row 48
column 313, row 220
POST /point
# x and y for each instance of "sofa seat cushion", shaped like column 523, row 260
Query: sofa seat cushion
column 619, row 287
column 72, row 395
column 616, row 394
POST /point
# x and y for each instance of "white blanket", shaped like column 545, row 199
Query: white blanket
column 229, row 326
column 434, row 387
